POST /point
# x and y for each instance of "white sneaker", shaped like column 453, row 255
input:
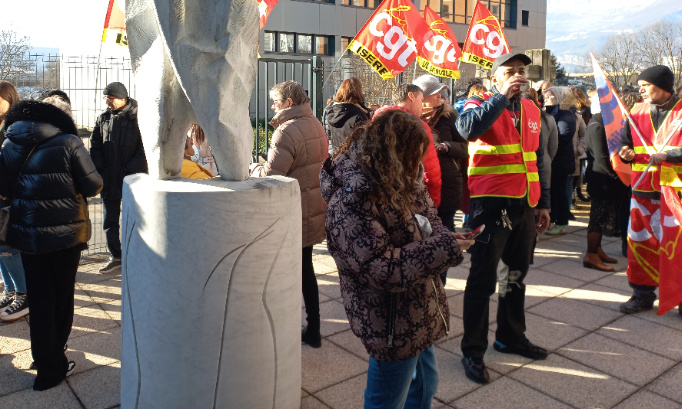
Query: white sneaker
column 16, row 310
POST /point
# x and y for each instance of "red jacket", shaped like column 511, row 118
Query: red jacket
column 430, row 160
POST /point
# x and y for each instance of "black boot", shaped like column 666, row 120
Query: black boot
column 311, row 333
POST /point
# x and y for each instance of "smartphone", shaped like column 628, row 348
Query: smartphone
column 476, row 232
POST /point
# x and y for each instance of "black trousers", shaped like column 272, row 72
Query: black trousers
column 50, row 280
column 112, row 226
column 514, row 247
column 558, row 198
column 311, row 297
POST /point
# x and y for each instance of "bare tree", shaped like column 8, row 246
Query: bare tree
column 620, row 58
column 660, row 44
column 13, row 51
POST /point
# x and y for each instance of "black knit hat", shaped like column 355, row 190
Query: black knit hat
column 58, row 93
column 116, row 89
column 660, row 76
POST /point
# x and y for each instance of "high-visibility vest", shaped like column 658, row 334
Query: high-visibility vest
column 655, row 140
column 502, row 162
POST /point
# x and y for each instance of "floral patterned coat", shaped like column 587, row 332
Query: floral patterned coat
column 388, row 271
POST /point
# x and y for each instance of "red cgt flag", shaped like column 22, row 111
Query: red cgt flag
column 485, row 39
column 439, row 55
column 670, row 251
column 264, row 9
column 388, row 41
column 115, row 23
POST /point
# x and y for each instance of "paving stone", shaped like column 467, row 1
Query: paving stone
column 554, row 284
column 81, row 298
column 91, row 319
column 617, row 280
column 98, row 388
column 599, row 295
column 453, row 383
column 646, row 335
column 15, row 374
column 668, row 385
column 623, row 361
column 549, row 333
column 104, row 291
column 333, row 318
column 323, row 266
column 348, row 394
column 94, row 350
column 647, row 400
column 576, row 313
column 507, row 393
column 351, row 343
column 456, row 329
column 113, row 310
column 573, row 268
column 59, row 397
column 329, row 285
column 92, row 275
column 573, row 383
column 670, row 319
column 318, row 373
column 309, row 402
column 14, row 336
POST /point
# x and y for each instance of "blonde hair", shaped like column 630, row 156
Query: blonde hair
column 477, row 89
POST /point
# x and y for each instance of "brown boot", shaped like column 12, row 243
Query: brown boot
column 605, row 258
column 592, row 260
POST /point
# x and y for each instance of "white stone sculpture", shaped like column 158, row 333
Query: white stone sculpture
column 194, row 61
column 211, row 283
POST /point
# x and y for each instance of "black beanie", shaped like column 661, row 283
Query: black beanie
column 116, row 89
column 660, row 76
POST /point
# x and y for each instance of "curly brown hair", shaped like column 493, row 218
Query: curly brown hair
column 197, row 134
column 391, row 147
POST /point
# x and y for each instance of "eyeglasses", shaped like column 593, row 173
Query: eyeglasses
column 108, row 98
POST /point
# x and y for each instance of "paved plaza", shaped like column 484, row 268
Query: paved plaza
column 599, row 357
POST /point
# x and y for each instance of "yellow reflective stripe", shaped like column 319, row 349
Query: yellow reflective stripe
column 640, row 150
column 533, row 176
column 641, row 167
column 493, row 170
column 529, row 156
column 657, row 148
column 494, row 149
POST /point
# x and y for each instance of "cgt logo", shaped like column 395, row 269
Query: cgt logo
column 494, row 46
column 393, row 39
column 533, row 126
column 439, row 45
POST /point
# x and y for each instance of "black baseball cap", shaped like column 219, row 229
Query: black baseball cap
column 501, row 60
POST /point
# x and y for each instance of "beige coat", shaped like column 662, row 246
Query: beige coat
column 299, row 146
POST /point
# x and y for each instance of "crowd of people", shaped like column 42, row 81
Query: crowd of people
column 382, row 185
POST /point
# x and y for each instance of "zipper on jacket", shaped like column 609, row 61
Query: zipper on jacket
column 391, row 319
column 435, row 291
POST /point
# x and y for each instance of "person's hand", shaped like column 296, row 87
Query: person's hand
column 627, row 153
column 657, row 158
column 441, row 147
column 465, row 244
column 513, row 85
column 542, row 216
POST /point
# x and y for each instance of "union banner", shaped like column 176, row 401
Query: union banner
column 485, row 39
column 264, row 9
column 439, row 54
column 115, row 24
column 388, row 41
column 670, row 253
column 614, row 121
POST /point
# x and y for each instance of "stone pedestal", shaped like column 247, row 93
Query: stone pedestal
column 211, row 293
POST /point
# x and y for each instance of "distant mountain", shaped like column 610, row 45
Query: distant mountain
column 577, row 27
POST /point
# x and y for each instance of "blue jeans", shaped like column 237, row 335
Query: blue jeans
column 402, row 384
column 12, row 269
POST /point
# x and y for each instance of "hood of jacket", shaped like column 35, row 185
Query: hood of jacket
column 287, row 114
column 338, row 114
column 30, row 123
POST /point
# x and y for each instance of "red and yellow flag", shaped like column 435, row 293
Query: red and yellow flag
column 439, row 54
column 389, row 41
column 670, row 254
column 115, row 23
column 264, row 9
column 485, row 39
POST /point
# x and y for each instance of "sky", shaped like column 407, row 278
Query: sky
column 574, row 27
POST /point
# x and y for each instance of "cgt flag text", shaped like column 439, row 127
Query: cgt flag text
column 388, row 41
column 115, row 24
column 439, row 55
column 614, row 121
column 485, row 39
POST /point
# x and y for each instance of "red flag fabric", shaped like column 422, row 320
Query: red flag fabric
column 670, row 273
column 485, row 39
column 439, row 55
column 614, row 121
column 388, row 41
column 264, row 9
column 115, row 23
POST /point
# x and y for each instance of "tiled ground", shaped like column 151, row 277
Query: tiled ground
column 600, row 358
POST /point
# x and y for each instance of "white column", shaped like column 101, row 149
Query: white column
column 211, row 293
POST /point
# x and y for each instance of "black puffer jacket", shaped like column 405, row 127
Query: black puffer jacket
column 340, row 119
column 116, row 148
column 48, row 189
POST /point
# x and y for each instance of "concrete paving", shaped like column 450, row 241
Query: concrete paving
column 599, row 357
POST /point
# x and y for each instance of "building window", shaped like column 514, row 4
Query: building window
column 360, row 3
column 525, row 14
column 305, row 44
column 286, row 43
column 270, row 41
column 322, row 45
column 345, row 42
